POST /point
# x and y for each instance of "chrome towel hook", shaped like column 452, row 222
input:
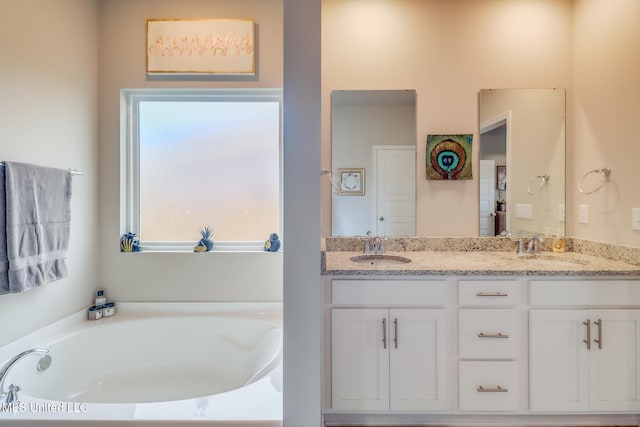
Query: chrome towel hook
column 605, row 172
column 335, row 181
column 544, row 180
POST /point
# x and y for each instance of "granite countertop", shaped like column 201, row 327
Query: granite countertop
column 432, row 258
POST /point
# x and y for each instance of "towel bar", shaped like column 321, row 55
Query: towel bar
column 73, row 171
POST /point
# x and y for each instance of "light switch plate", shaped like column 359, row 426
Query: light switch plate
column 635, row 218
column 583, row 214
column 561, row 212
column 524, row 210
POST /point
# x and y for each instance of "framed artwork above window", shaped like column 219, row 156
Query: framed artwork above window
column 200, row 46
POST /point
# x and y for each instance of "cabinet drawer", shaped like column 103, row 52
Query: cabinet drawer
column 489, row 333
column 584, row 293
column 390, row 292
column 489, row 386
column 488, row 292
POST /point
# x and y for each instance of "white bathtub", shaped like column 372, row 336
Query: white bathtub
column 219, row 362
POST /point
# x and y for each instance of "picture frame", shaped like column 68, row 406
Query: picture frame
column 448, row 157
column 501, row 177
column 351, row 181
column 200, row 47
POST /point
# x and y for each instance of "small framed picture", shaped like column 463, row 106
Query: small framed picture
column 501, row 177
column 351, row 181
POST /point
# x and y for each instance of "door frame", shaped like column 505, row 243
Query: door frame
column 490, row 124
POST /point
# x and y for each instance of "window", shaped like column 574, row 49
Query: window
column 196, row 158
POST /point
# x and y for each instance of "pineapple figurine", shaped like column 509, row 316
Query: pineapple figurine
column 206, row 243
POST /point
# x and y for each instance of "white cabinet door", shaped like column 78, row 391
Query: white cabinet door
column 615, row 358
column 418, row 359
column 359, row 359
column 584, row 360
column 558, row 360
column 385, row 359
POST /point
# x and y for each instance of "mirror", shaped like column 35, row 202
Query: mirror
column 373, row 161
column 522, row 162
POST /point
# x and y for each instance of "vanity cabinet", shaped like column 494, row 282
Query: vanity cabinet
column 389, row 357
column 584, row 359
column 482, row 349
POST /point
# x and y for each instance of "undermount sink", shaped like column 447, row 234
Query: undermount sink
column 547, row 260
column 380, row 260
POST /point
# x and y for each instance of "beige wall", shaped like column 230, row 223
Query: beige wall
column 176, row 276
column 447, row 51
column 48, row 110
column 606, row 117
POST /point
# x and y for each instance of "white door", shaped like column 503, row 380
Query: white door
column 615, row 359
column 395, row 213
column 418, row 360
column 359, row 359
column 487, row 197
column 558, row 360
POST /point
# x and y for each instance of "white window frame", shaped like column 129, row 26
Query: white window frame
column 130, row 158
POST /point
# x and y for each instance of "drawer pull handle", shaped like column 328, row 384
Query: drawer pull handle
column 491, row 294
column 496, row 389
column 498, row 335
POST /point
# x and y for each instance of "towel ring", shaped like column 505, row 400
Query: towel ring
column 605, row 172
column 544, row 180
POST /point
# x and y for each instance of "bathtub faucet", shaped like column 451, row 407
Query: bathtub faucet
column 10, row 396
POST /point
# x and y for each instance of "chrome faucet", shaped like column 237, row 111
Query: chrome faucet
column 533, row 246
column 374, row 245
column 530, row 246
column 11, row 395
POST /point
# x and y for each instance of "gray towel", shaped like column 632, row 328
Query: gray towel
column 38, row 216
column 4, row 261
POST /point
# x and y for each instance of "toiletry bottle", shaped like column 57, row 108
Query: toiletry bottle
column 100, row 298
column 558, row 244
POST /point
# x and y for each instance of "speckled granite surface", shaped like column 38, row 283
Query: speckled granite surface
column 481, row 256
